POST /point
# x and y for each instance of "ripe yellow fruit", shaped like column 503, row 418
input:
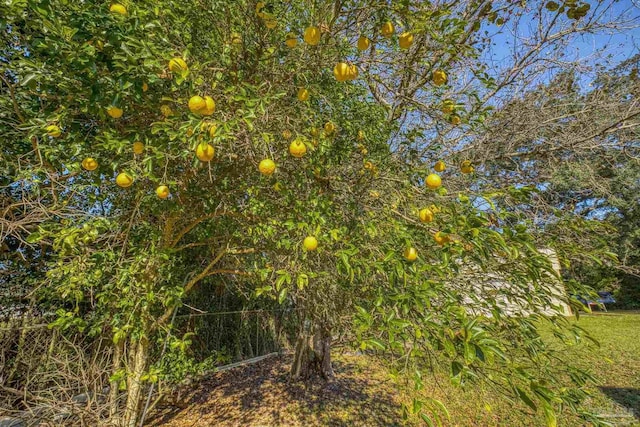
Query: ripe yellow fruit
column 210, row 106
column 433, row 181
column 138, row 147
column 466, row 167
column 166, row 110
column 124, row 180
column 119, row 9
column 425, row 215
column 114, row 112
column 266, row 167
column 162, row 191
column 368, row 165
column 448, row 106
column 270, row 22
column 90, row 164
column 310, row 243
column 303, row 94
column 197, row 104
column 439, row 166
column 440, row 238
column 405, row 40
column 439, row 77
column 329, row 128
column 455, row 119
column 297, row 148
column 360, row 135
column 212, row 130
column 205, row 152
column 341, row 71
column 353, row 72
column 145, row 87
column 387, row 29
column 236, row 38
column 363, row 43
column 286, row 134
column 177, row 65
column 410, row 254
column 312, row 36
column 259, row 6
column 291, row 40
column 53, row 131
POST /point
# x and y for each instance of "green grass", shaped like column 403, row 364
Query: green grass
column 615, row 364
column 364, row 395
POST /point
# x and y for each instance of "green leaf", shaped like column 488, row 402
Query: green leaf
column 525, row 398
column 550, row 416
column 34, row 237
column 283, row 295
column 426, row 419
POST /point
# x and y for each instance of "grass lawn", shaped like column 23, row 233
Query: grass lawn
column 363, row 395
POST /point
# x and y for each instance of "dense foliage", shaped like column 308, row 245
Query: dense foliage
column 134, row 137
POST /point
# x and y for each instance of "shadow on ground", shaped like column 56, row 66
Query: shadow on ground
column 629, row 398
column 261, row 395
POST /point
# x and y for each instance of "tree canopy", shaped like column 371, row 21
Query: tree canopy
column 363, row 163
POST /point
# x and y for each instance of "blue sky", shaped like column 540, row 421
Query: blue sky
column 605, row 48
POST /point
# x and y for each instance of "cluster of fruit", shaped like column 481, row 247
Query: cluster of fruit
column 205, row 106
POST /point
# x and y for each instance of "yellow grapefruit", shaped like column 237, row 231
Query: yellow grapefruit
column 303, row 94
column 205, row 152
column 210, row 106
column 162, row 191
column 439, row 77
column 53, row 131
column 425, row 215
column 363, row 43
column 266, row 167
column 405, row 40
column 297, row 148
column 410, row 254
column 310, row 243
column 440, row 238
column 329, row 128
column 341, row 71
column 387, row 29
column 197, row 104
column 466, row 167
column 177, row 65
column 90, row 164
column 124, row 180
column 433, row 181
column 291, row 40
column 114, row 111
column 138, row 147
column 118, row 8
column 312, row 36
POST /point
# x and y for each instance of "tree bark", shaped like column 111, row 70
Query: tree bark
column 312, row 355
column 134, row 386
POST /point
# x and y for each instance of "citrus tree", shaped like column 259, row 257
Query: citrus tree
column 291, row 147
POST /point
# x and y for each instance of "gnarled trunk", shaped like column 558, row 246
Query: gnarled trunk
column 312, row 354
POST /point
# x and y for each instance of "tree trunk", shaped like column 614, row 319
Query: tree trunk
column 312, row 355
column 113, row 386
column 134, row 386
